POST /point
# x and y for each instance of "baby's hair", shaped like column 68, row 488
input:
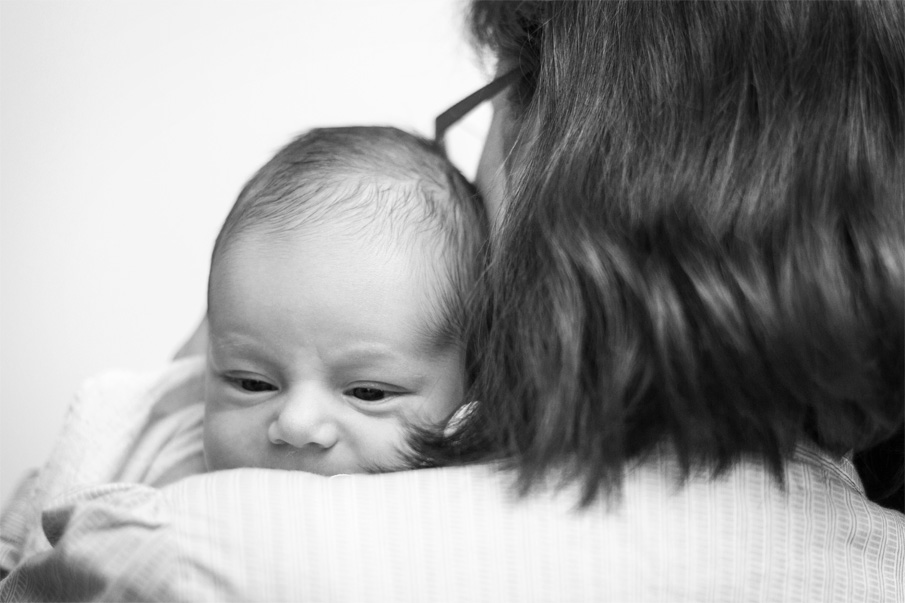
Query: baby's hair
column 362, row 176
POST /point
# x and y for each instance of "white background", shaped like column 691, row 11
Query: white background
column 127, row 127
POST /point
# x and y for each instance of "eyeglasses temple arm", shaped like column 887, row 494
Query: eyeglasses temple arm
column 460, row 109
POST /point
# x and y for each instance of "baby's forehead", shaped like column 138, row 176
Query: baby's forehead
column 372, row 261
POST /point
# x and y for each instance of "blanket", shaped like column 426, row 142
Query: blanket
column 121, row 427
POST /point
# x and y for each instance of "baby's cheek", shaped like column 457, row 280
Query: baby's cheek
column 220, row 442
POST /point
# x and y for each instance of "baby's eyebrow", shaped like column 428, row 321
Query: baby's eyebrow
column 230, row 344
column 366, row 354
column 397, row 364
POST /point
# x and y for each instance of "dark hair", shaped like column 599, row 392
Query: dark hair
column 371, row 175
column 704, row 244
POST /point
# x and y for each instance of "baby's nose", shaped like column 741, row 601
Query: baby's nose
column 306, row 418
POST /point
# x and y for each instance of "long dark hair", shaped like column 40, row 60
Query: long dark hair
column 704, row 243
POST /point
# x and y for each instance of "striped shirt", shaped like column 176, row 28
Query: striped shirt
column 461, row 534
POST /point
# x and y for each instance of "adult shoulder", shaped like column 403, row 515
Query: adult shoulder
column 462, row 534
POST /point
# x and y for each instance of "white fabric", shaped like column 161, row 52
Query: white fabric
column 453, row 534
column 459, row 534
column 121, row 427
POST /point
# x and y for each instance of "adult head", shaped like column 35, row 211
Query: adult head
column 701, row 240
column 336, row 303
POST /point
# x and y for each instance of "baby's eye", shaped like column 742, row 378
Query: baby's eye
column 254, row 385
column 368, row 394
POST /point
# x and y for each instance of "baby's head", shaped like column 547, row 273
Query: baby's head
column 336, row 302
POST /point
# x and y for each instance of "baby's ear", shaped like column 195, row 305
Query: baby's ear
column 462, row 413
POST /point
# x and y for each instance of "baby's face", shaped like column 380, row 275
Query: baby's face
column 319, row 357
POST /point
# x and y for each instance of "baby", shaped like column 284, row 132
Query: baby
column 335, row 304
column 336, row 301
